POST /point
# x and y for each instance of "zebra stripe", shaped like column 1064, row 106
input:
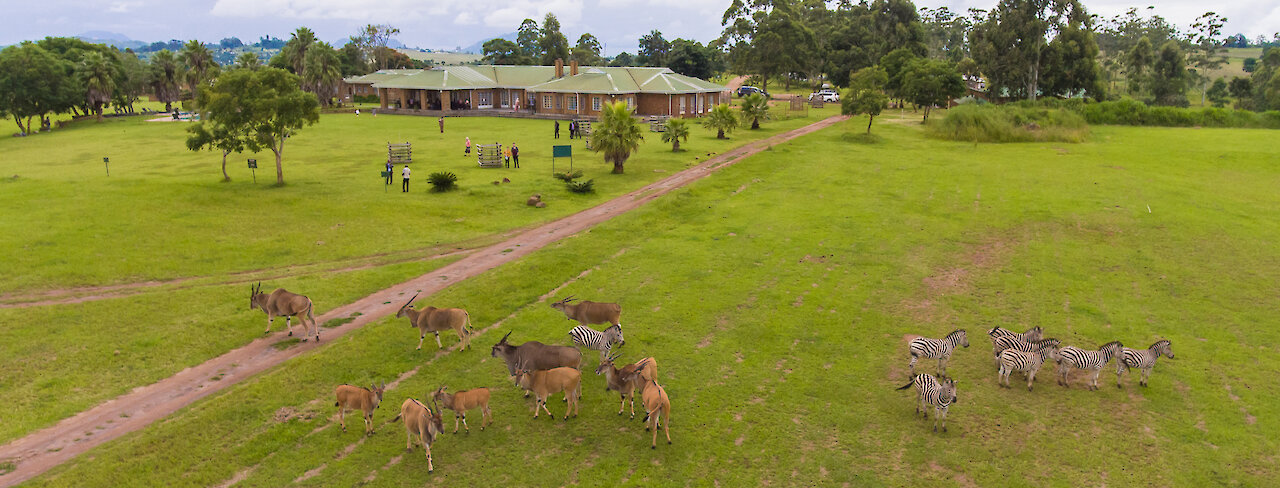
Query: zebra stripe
column 1074, row 357
column 930, row 391
column 590, row 338
column 1033, row 334
column 940, row 349
column 1144, row 359
column 1029, row 362
column 1016, row 343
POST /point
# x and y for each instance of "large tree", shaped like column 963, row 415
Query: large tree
column 931, row 82
column 293, row 56
column 1009, row 45
column 553, row 44
column 587, row 51
column 1207, row 52
column 1138, row 62
column 691, row 58
column 528, row 37
column 617, row 135
column 32, row 82
column 866, row 94
column 895, row 67
column 248, row 60
column 767, row 38
column 218, row 136
column 266, row 106
column 1167, row 83
column 945, row 33
column 368, row 39
column 321, row 72
column 653, row 49
column 166, row 78
column 1072, row 57
column 99, row 78
column 502, row 51
column 132, row 82
column 198, row 64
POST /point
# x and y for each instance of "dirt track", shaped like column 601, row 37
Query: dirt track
column 44, row 449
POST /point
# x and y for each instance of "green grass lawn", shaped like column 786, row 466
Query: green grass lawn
column 164, row 214
column 777, row 297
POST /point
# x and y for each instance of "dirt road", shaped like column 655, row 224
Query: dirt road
column 44, row 449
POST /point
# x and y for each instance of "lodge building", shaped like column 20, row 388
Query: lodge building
column 545, row 91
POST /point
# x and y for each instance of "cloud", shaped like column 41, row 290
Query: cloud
column 123, row 7
column 495, row 13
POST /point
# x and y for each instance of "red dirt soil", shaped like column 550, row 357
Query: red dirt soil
column 44, row 449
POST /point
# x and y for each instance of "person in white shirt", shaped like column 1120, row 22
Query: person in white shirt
column 405, row 186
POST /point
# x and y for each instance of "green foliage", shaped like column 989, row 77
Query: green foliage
column 721, row 119
column 653, row 49
column 931, row 82
column 1127, row 111
column 865, row 94
column 33, row 82
column 617, row 135
column 1009, row 46
column 1218, row 93
column 265, row 105
column 568, row 176
column 198, row 63
column 527, row 38
column 1010, row 123
column 1167, row 83
column 1250, row 65
column 677, row 129
column 587, row 51
column 321, row 72
column 755, row 107
column 1071, row 59
column 502, row 51
column 767, row 38
column 581, row 186
column 442, row 181
column 691, row 58
column 858, row 35
column 166, row 78
column 895, row 67
column 553, row 44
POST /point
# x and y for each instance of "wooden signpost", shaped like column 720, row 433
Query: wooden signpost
column 253, row 166
column 106, row 162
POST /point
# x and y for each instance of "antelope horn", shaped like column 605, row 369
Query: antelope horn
column 406, row 304
column 504, row 338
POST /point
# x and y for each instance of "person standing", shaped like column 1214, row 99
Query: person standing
column 468, row 150
column 573, row 127
column 515, row 155
column 390, row 169
column 506, row 157
column 557, row 129
column 441, row 124
column 404, row 188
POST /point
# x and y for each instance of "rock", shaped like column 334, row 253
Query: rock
column 540, row 205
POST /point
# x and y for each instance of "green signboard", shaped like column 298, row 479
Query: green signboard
column 561, row 151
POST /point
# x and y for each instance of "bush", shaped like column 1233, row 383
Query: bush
column 365, row 99
column 581, row 186
column 1011, row 123
column 568, row 177
column 1128, row 111
column 442, row 181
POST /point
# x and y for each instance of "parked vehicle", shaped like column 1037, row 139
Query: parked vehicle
column 747, row 90
column 826, row 95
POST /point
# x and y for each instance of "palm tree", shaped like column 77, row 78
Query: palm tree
column 321, row 72
column 754, row 108
column 295, row 51
column 721, row 119
column 676, row 129
column 165, row 73
column 199, row 62
column 98, row 76
column 248, row 60
column 617, row 135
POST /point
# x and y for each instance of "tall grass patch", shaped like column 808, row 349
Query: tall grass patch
column 1128, row 111
column 1011, row 123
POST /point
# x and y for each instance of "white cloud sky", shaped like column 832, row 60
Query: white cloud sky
column 449, row 23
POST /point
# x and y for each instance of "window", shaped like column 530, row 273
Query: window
column 546, row 102
column 631, row 102
column 505, row 98
column 595, row 104
column 682, row 104
column 484, row 99
column 572, row 102
column 559, row 101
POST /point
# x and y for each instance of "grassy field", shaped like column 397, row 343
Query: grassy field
column 165, row 221
column 778, row 296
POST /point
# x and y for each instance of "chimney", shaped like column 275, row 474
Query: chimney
column 559, row 68
column 573, row 68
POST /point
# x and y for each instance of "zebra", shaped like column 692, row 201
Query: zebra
column 590, row 338
column 1143, row 359
column 1028, row 361
column 1074, row 357
column 1032, row 334
column 937, row 348
column 930, row 391
column 1015, row 341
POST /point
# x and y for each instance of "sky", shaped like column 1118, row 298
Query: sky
column 445, row 24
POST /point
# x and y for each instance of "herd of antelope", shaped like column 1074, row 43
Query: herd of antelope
column 540, row 369
column 1026, row 352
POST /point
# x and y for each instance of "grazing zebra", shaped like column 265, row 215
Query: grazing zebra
column 1074, row 357
column 932, row 392
column 1029, row 361
column 590, row 338
column 1032, row 334
column 923, row 347
column 1143, row 359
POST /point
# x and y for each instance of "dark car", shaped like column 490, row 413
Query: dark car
column 747, row 90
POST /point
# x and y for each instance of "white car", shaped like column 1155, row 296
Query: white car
column 826, row 95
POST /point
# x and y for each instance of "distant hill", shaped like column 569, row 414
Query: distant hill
column 115, row 39
column 478, row 47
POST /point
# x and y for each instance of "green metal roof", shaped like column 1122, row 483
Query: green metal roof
column 590, row 79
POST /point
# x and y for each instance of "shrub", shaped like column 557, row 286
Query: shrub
column 442, row 181
column 567, row 176
column 1011, row 123
column 581, row 186
column 1128, row 111
column 365, row 99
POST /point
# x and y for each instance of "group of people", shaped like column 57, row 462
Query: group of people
column 510, row 154
column 574, row 130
